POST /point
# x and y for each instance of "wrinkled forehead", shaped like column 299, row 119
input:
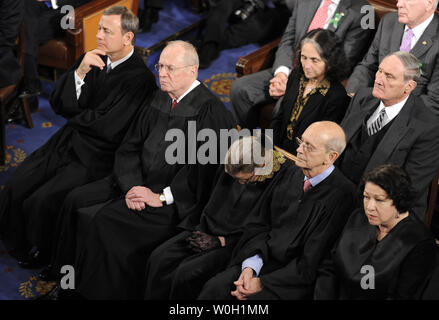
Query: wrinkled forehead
column 111, row 22
column 172, row 55
column 392, row 65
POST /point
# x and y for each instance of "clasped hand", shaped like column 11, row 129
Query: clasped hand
column 278, row 85
column 246, row 285
column 199, row 241
column 138, row 197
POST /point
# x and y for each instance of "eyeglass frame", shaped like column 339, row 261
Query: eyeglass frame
column 306, row 147
column 169, row 68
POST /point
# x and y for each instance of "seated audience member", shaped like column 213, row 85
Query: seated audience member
column 342, row 16
column 148, row 195
column 389, row 124
column 278, row 259
column 99, row 106
column 385, row 251
column 415, row 29
column 11, row 17
column 42, row 22
column 179, row 268
column 232, row 23
column 150, row 14
column 314, row 92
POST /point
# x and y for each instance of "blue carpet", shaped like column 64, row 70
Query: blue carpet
column 17, row 283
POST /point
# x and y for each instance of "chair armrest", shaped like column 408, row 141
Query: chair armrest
column 257, row 60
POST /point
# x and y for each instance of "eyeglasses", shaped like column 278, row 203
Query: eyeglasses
column 169, row 68
column 306, row 146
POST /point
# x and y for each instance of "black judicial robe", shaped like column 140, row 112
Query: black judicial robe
column 174, row 271
column 402, row 261
column 298, row 231
column 11, row 16
column 111, row 257
column 79, row 152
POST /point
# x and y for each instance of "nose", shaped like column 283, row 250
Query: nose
column 100, row 35
column 370, row 204
column 399, row 4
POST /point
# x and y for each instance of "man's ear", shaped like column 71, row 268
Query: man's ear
column 333, row 155
column 128, row 38
column 410, row 86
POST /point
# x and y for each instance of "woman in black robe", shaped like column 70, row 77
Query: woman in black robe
column 384, row 252
column 179, row 268
column 314, row 92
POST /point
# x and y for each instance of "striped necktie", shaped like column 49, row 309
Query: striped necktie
column 377, row 124
column 320, row 16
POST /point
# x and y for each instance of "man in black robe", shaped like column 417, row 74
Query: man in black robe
column 179, row 268
column 99, row 106
column 279, row 259
column 148, row 195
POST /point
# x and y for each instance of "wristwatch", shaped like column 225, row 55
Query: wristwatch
column 162, row 197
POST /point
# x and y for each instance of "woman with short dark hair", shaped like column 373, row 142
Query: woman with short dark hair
column 384, row 252
column 314, row 91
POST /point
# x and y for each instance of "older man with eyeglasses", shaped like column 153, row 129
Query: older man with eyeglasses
column 278, row 259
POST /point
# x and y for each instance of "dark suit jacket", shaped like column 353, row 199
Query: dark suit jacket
column 331, row 107
column 387, row 40
column 356, row 39
column 412, row 141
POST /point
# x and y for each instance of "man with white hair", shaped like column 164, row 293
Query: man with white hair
column 415, row 29
column 278, row 259
column 147, row 196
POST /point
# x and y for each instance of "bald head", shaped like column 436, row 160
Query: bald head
column 322, row 143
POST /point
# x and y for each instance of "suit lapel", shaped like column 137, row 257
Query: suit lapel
column 304, row 18
column 394, row 134
column 342, row 9
column 396, row 37
column 425, row 41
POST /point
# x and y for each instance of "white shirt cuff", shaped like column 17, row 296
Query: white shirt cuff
column 54, row 4
column 78, row 84
column 283, row 69
column 168, row 195
column 255, row 262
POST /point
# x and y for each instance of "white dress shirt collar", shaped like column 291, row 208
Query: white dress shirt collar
column 419, row 30
column 118, row 62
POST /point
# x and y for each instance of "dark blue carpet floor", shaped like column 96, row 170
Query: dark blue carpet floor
column 17, row 283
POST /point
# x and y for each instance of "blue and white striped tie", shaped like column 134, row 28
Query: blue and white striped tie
column 377, row 124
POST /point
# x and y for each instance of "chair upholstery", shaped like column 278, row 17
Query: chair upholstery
column 61, row 53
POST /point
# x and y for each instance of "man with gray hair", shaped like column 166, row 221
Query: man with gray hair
column 415, row 29
column 278, row 259
column 390, row 124
column 99, row 97
column 149, row 197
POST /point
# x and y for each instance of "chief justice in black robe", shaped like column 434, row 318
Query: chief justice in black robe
column 385, row 251
column 301, row 223
column 179, row 268
column 116, row 238
column 83, row 149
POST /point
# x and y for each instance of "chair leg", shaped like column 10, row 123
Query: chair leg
column 27, row 114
